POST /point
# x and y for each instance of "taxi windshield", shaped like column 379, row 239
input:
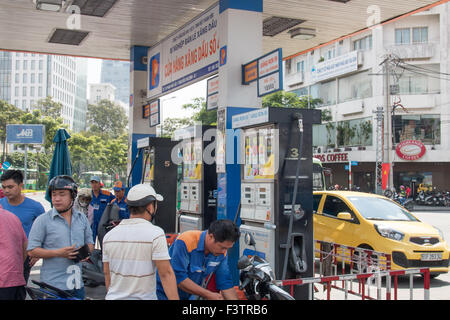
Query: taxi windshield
column 372, row 208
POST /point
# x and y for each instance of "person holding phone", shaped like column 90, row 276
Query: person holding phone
column 60, row 237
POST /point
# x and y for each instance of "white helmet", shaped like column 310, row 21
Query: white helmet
column 141, row 195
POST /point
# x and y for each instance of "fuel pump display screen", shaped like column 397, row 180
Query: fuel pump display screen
column 192, row 160
column 259, row 162
column 149, row 167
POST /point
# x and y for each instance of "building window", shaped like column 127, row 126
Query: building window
column 326, row 92
column 426, row 128
column 402, row 36
column 25, row 78
column 357, row 132
column 41, row 63
column 32, row 78
column 420, row 35
column 40, row 92
column 24, row 91
column 33, row 64
column 423, row 79
column 363, row 44
column 25, row 64
column 40, row 78
column 357, row 86
column 301, row 67
column 17, row 78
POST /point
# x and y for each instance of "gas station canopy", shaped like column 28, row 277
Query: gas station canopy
column 109, row 28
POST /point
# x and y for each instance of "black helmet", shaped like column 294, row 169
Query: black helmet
column 63, row 182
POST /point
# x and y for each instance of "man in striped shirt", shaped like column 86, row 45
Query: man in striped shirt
column 134, row 249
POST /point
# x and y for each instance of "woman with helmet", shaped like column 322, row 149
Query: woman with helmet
column 62, row 237
column 83, row 203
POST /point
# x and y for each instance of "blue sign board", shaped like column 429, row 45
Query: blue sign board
column 354, row 163
column 25, row 133
column 6, row 165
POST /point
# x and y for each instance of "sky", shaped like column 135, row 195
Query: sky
column 170, row 104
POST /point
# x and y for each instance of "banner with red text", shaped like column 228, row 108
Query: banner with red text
column 186, row 56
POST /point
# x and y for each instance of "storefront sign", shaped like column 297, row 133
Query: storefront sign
column 267, row 70
column 212, row 93
column 335, row 67
column 332, row 157
column 186, row 56
column 154, row 113
column 410, row 150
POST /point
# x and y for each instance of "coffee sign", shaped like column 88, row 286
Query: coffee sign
column 410, row 150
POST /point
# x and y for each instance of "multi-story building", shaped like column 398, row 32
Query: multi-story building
column 101, row 91
column 28, row 77
column 349, row 76
column 79, row 116
column 117, row 73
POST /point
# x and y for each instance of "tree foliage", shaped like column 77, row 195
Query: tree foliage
column 200, row 114
column 104, row 147
column 283, row 99
column 106, row 119
column 49, row 107
column 9, row 114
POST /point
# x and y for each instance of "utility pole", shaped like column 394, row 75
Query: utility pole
column 387, row 122
column 379, row 116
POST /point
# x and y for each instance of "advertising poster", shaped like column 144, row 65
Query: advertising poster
column 186, row 56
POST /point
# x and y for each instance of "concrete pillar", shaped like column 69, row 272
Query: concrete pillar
column 138, row 126
column 240, row 36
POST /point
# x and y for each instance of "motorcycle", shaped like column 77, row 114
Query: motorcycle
column 47, row 292
column 257, row 277
column 92, row 270
column 420, row 199
column 407, row 203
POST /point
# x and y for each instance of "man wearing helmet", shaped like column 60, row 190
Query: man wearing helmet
column 57, row 237
column 135, row 248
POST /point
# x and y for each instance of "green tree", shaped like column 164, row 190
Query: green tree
column 200, row 114
column 283, row 99
column 171, row 124
column 51, row 126
column 106, row 119
column 198, row 106
column 9, row 114
column 49, row 107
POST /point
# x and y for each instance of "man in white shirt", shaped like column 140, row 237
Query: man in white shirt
column 134, row 249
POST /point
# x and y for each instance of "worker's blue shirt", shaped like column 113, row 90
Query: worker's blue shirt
column 123, row 208
column 99, row 204
column 188, row 260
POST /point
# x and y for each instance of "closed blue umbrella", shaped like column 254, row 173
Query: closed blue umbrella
column 61, row 163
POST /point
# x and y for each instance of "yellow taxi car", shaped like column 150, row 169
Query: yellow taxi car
column 370, row 221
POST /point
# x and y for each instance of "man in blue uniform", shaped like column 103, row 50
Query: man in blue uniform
column 195, row 255
column 100, row 199
column 121, row 200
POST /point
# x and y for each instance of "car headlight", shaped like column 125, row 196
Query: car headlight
column 440, row 232
column 389, row 233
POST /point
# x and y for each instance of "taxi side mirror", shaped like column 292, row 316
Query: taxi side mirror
column 344, row 216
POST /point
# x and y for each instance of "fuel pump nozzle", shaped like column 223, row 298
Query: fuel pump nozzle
column 293, row 250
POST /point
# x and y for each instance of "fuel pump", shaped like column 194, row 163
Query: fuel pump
column 276, row 189
column 161, row 173
column 198, row 187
